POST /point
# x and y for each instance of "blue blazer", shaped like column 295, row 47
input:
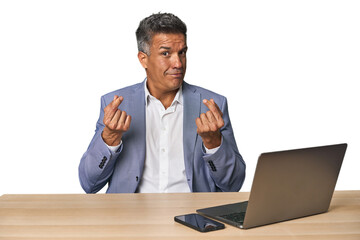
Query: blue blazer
column 122, row 171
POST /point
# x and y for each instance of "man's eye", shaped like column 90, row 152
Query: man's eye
column 165, row 53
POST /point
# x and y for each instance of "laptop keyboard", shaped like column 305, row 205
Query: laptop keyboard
column 237, row 217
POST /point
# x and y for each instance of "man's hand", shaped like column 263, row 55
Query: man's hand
column 209, row 124
column 116, row 122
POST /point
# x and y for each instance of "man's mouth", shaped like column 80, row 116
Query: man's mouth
column 176, row 74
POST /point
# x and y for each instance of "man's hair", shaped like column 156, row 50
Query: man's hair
column 157, row 23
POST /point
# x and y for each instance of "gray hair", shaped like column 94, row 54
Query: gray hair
column 157, row 23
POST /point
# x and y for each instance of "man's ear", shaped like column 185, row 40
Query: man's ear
column 143, row 59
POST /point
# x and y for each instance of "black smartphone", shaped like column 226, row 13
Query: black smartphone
column 198, row 222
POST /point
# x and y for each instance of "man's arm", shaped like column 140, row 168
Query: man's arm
column 226, row 166
column 97, row 163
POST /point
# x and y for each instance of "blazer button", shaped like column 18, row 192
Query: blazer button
column 213, row 168
column 103, row 161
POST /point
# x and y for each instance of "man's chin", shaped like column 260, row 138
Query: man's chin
column 177, row 81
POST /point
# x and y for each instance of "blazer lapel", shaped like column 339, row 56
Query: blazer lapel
column 192, row 104
column 139, row 125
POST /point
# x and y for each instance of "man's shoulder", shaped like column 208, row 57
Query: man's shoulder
column 202, row 90
column 125, row 90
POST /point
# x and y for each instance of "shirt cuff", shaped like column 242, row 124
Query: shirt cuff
column 113, row 149
column 213, row 150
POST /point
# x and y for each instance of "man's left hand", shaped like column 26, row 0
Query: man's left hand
column 209, row 124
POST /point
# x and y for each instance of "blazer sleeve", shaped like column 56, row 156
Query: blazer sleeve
column 97, row 163
column 226, row 165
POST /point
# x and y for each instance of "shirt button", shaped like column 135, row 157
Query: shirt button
column 163, row 150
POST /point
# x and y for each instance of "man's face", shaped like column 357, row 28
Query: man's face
column 166, row 64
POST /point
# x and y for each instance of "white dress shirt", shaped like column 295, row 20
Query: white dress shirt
column 164, row 168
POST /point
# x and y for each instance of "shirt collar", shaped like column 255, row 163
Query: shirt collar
column 178, row 97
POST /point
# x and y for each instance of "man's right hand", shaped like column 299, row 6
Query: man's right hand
column 116, row 122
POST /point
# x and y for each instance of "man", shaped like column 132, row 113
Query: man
column 162, row 135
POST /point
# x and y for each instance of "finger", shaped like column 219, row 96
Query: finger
column 206, row 125
column 213, row 124
column 213, row 108
column 204, row 119
column 109, row 114
column 117, row 101
column 212, row 100
column 210, row 116
column 199, row 125
column 127, row 123
column 115, row 119
column 111, row 108
column 121, row 121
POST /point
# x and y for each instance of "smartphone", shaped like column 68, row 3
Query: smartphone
column 198, row 222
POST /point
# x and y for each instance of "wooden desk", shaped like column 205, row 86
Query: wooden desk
column 150, row 216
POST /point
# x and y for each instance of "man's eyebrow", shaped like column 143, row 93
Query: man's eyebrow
column 169, row 48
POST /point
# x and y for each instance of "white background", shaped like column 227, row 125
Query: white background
column 288, row 68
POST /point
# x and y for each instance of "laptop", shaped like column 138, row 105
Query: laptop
column 287, row 185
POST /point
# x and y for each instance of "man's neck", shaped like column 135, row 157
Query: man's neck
column 165, row 97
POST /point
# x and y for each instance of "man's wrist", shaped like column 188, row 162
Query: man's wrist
column 213, row 142
column 114, row 149
column 110, row 138
column 212, row 150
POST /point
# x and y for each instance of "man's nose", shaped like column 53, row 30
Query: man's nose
column 177, row 61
